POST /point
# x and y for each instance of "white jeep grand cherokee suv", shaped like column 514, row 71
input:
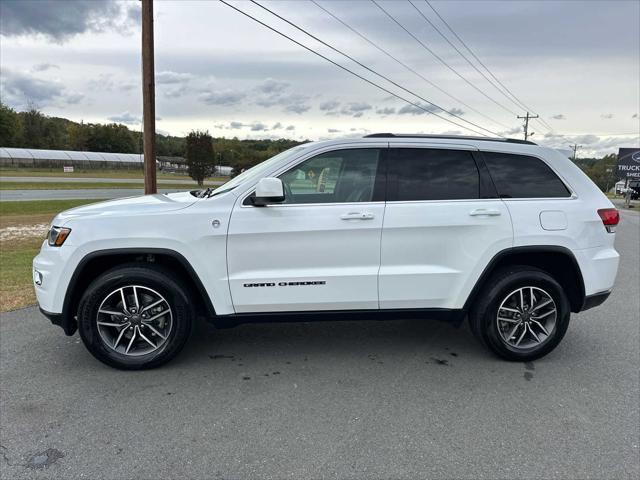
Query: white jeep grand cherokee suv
column 508, row 234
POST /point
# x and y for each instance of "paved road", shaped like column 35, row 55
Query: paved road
column 96, row 180
column 24, row 195
column 407, row 399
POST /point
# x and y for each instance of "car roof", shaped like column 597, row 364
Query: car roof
column 448, row 137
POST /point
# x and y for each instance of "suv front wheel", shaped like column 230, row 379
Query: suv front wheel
column 521, row 314
column 134, row 317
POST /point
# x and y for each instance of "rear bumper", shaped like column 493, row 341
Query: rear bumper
column 591, row 301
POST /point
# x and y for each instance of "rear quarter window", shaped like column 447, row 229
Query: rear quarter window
column 523, row 176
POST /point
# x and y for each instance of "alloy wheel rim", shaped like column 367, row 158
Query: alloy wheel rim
column 134, row 320
column 526, row 318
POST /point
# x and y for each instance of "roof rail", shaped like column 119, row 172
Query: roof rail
column 449, row 137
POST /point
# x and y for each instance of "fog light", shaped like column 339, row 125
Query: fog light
column 37, row 277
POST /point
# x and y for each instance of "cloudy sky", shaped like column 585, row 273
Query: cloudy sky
column 574, row 63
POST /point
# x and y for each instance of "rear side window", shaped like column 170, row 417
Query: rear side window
column 430, row 174
column 522, row 176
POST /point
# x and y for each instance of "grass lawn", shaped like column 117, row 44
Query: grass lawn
column 16, row 290
column 22, row 229
column 110, row 173
column 88, row 185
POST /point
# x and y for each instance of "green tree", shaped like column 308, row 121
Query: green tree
column 604, row 172
column 199, row 153
column 112, row 137
column 32, row 133
column 9, row 126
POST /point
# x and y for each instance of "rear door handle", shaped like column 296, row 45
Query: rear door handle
column 357, row 216
column 484, row 212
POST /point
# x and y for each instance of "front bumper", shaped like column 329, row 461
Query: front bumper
column 68, row 324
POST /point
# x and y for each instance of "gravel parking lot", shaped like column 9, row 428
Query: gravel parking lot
column 405, row 399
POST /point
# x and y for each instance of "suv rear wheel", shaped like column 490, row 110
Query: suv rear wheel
column 521, row 314
column 135, row 317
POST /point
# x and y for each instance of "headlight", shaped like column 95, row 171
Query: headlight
column 57, row 236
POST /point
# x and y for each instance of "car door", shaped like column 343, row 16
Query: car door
column 443, row 224
column 320, row 248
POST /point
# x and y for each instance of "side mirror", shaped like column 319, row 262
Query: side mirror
column 268, row 190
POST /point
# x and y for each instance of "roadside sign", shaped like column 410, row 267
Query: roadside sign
column 67, row 169
column 629, row 163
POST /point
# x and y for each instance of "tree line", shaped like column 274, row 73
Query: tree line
column 32, row 129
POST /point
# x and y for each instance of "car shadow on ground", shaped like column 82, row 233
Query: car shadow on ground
column 341, row 340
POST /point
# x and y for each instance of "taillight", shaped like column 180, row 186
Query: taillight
column 610, row 218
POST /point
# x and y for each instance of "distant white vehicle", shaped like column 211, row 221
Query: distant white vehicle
column 508, row 234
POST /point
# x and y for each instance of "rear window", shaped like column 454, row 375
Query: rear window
column 522, row 176
column 429, row 174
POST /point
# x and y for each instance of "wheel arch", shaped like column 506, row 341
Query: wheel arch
column 557, row 261
column 95, row 263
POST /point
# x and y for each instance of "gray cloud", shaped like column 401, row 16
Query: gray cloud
column 297, row 108
column 126, row 118
column 228, row 97
column 59, row 21
column 456, row 111
column 74, row 98
column 20, row 90
column 290, row 127
column 559, row 116
column 333, row 130
column 329, row 105
column 236, row 125
column 635, row 115
column 168, row 77
column 106, row 83
column 277, row 126
column 259, row 127
column 511, row 131
column 356, row 109
column 175, row 92
column 414, row 110
column 271, row 86
column 41, row 67
column 606, row 116
column 386, row 111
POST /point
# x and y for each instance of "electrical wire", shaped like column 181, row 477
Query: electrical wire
column 441, row 59
column 446, row 39
column 386, row 90
column 385, row 52
column 520, row 102
column 306, row 32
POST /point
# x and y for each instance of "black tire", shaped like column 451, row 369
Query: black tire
column 145, row 275
column 483, row 315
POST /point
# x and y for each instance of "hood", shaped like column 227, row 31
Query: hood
column 146, row 204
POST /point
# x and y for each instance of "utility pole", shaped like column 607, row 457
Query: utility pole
column 575, row 150
column 148, row 99
column 526, row 119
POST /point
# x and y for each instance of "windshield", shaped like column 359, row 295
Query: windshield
column 257, row 170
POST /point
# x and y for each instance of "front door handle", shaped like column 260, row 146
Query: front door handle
column 357, row 216
column 484, row 212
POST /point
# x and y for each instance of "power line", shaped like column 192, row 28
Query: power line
column 379, row 48
column 417, row 105
column 368, row 68
column 521, row 103
column 441, row 59
column 491, row 82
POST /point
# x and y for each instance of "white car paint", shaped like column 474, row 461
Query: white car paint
column 373, row 255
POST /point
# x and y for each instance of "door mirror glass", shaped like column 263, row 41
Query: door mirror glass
column 269, row 190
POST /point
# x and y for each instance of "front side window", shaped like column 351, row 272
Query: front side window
column 522, row 176
column 432, row 174
column 340, row 176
